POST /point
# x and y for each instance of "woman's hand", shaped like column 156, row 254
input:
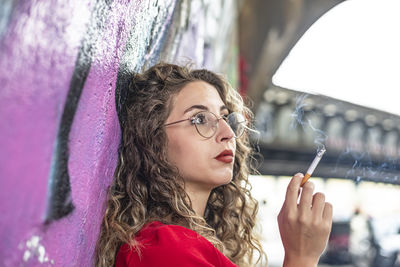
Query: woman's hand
column 304, row 227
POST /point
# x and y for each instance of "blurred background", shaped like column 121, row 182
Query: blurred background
column 328, row 73
column 316, row 73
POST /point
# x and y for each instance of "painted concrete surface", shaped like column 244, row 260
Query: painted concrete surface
column 60, row 62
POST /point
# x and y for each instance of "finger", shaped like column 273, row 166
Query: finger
column 318, row 205
column 328, row 210
column 305, row 179
column 292, row 191
column 306, row 197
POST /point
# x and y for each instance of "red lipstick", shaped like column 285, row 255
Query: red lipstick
column 225, row 156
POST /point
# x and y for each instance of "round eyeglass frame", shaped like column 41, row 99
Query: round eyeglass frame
column 215, row 123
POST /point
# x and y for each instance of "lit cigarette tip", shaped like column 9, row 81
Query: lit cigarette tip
column 313, row 165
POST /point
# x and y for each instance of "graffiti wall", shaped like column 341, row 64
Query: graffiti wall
column 60, row 65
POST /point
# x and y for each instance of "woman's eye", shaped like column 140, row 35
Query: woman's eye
column 199, row 119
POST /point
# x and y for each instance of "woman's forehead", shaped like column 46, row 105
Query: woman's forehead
column 197, row 93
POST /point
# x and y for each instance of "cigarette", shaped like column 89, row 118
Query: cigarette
column 313, row 165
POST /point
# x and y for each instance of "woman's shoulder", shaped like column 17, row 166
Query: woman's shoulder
column 170, row 245
column 160, row 230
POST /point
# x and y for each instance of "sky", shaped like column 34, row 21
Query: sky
column 351, row 53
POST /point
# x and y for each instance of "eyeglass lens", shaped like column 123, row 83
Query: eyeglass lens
column 207, row 123
column 236, row 121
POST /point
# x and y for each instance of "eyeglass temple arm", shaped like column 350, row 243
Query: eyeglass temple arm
column 175, row 122
column 251, row 130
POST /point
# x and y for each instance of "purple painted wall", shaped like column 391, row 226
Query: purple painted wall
column 59, row 66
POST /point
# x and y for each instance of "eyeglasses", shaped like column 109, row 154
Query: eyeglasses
column 206, row 123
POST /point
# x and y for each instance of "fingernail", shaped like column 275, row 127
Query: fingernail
column 310, row 185
column 299, row 175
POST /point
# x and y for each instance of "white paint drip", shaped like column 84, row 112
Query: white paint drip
column 35, row 250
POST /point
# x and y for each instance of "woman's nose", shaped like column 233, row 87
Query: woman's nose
column 225, row 132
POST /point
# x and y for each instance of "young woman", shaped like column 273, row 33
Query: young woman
column 181, row 195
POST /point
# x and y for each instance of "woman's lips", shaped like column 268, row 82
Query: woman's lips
column 225, row 156
column 225, row 159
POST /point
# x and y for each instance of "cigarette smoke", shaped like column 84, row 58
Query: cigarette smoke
column 299, row 117
column 360, row 163
column 364, row 166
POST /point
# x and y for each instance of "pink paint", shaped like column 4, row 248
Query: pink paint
column 38, row 49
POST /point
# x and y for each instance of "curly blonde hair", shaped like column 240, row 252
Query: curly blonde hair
column 147, row 187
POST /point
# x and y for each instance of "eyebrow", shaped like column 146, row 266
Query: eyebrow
column 202, row 107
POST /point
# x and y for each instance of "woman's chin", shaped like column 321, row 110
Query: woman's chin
column 223, row 180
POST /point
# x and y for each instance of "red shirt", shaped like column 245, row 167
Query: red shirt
column 170, row 246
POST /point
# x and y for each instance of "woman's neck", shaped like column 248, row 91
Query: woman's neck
column 199, row 199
